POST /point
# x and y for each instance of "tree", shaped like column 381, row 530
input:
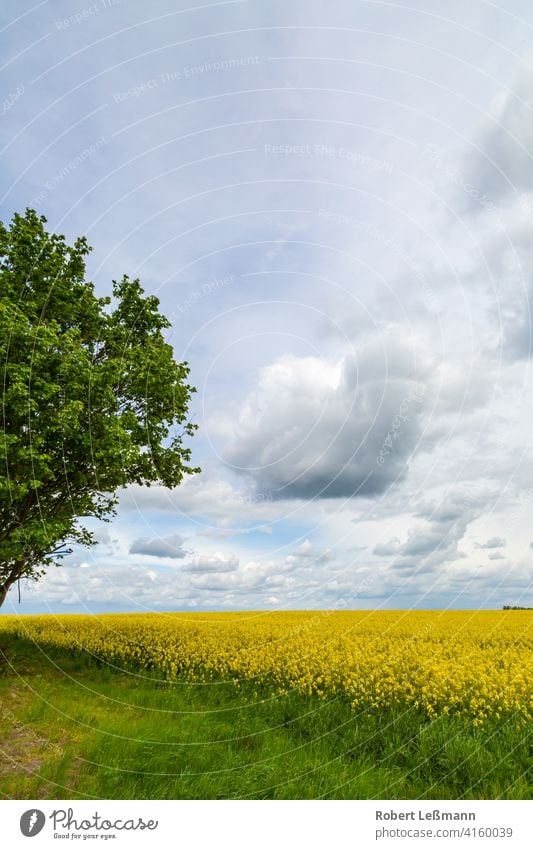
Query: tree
column 92, row 399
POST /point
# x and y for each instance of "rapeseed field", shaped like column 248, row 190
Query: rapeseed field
column 475, row 664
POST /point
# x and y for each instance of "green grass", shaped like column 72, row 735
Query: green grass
column 73, row 729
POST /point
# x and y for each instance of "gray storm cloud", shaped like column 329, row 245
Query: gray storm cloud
column 314, row 429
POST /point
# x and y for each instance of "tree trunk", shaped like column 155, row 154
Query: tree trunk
column 17, row 570
column 3, row 592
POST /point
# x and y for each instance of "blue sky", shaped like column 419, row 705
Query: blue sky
column 334, row 204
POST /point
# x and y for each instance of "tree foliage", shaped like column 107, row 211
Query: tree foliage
column 92, row 398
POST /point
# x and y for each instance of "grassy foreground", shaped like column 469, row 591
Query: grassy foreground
column 71, row 728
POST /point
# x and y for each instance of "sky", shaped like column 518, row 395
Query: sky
column 334, row 204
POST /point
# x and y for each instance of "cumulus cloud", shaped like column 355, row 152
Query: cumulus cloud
column 304, row 550
column 211, row 563
column 106, row 543
column 250, row 576
column 430, row 546
column 359, row 254
column 306, row 554
column 517, row 331
column 493, row 542
column 448, row 512
column 171, row 547
column 125, row 585
column 313, row 428
column 383, row 549
column 214, row 502
column 504, row 163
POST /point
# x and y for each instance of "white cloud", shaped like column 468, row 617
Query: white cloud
column 217, row 562
column 504, row 163
column 170, row 547
column 313, row 429
column 304, row 358
column 384, row 549
column 493, row 542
